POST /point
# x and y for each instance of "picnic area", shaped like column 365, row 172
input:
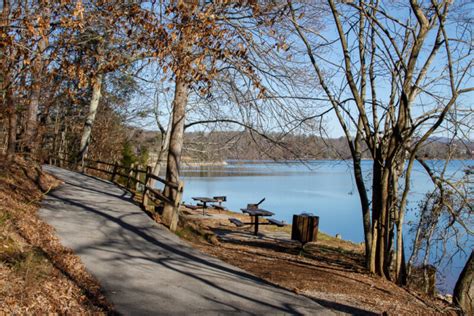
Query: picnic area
column 330, row 270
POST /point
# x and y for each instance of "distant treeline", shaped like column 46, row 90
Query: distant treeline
column 218, row 146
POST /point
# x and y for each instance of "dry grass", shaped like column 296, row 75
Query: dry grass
column 37, row 274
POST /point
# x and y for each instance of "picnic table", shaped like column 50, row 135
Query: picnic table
column 204, row 200
column 256, row 213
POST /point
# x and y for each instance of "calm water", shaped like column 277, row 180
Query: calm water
column 325, row 188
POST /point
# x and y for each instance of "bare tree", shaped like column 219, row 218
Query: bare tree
column 401, row 75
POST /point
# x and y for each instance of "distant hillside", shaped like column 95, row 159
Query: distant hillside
column 218, row 146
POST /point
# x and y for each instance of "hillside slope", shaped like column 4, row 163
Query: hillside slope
column 37, row 274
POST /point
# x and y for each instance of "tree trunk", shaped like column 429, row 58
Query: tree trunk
column 12, row 125
column 364, row 201
column 63, row 147
column 380, row 196
column 45, row 122
column 170, row 212
column 376, row 207
column 382, row 234
column 86, row 134
column 5, row 90
column 165, row 143
column 463, row 295
column 157, row 167
column 400, row 267
column 391, row 213
column 28, row 140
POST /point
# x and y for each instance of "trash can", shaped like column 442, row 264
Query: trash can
column 305, row 227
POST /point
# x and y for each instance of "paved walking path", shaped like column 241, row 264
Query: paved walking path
column 145, row 269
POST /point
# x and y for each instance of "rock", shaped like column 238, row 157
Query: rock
column 338, row 236
column 447, row 298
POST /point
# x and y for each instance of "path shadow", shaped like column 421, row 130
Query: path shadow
column 180, row 258
column 183, row 254
column 344, row 308
column 329, row 255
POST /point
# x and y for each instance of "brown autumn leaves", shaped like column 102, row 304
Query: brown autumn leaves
column 56, row 48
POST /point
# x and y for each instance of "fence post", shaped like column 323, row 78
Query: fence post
column 60, row 159
column 130, row 171
column 114, row 172
column 145, row 195
column 179, row 193
column 80, row 165
column 137, row 178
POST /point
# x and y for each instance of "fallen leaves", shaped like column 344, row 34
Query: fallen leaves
column 37, row 274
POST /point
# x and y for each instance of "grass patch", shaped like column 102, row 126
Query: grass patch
column 344, row 246
column 32, row 265
column 4, row 217
column 9, row 247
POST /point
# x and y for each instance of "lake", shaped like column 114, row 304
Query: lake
column 323, row 187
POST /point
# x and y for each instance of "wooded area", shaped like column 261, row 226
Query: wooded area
column 217, row 146
column 79, row 78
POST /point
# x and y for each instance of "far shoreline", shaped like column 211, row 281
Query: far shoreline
column 194, row 164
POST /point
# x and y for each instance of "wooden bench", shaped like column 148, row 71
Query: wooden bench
column 220, row 199
column 219, row 207
column 236, row 222
column 276, row 222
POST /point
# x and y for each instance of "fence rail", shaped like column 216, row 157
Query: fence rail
column 131, row 178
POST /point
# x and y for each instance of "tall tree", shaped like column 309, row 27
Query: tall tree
column 108, row 37
column 39, row 43
column 199, row 40
column 6, row 101
column 394, row 63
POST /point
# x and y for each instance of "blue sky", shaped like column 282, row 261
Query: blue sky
column 328, row 61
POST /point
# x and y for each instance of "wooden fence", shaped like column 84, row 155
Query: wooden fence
column 133, row 179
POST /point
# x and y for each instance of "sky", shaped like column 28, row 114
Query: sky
column 330, row 58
